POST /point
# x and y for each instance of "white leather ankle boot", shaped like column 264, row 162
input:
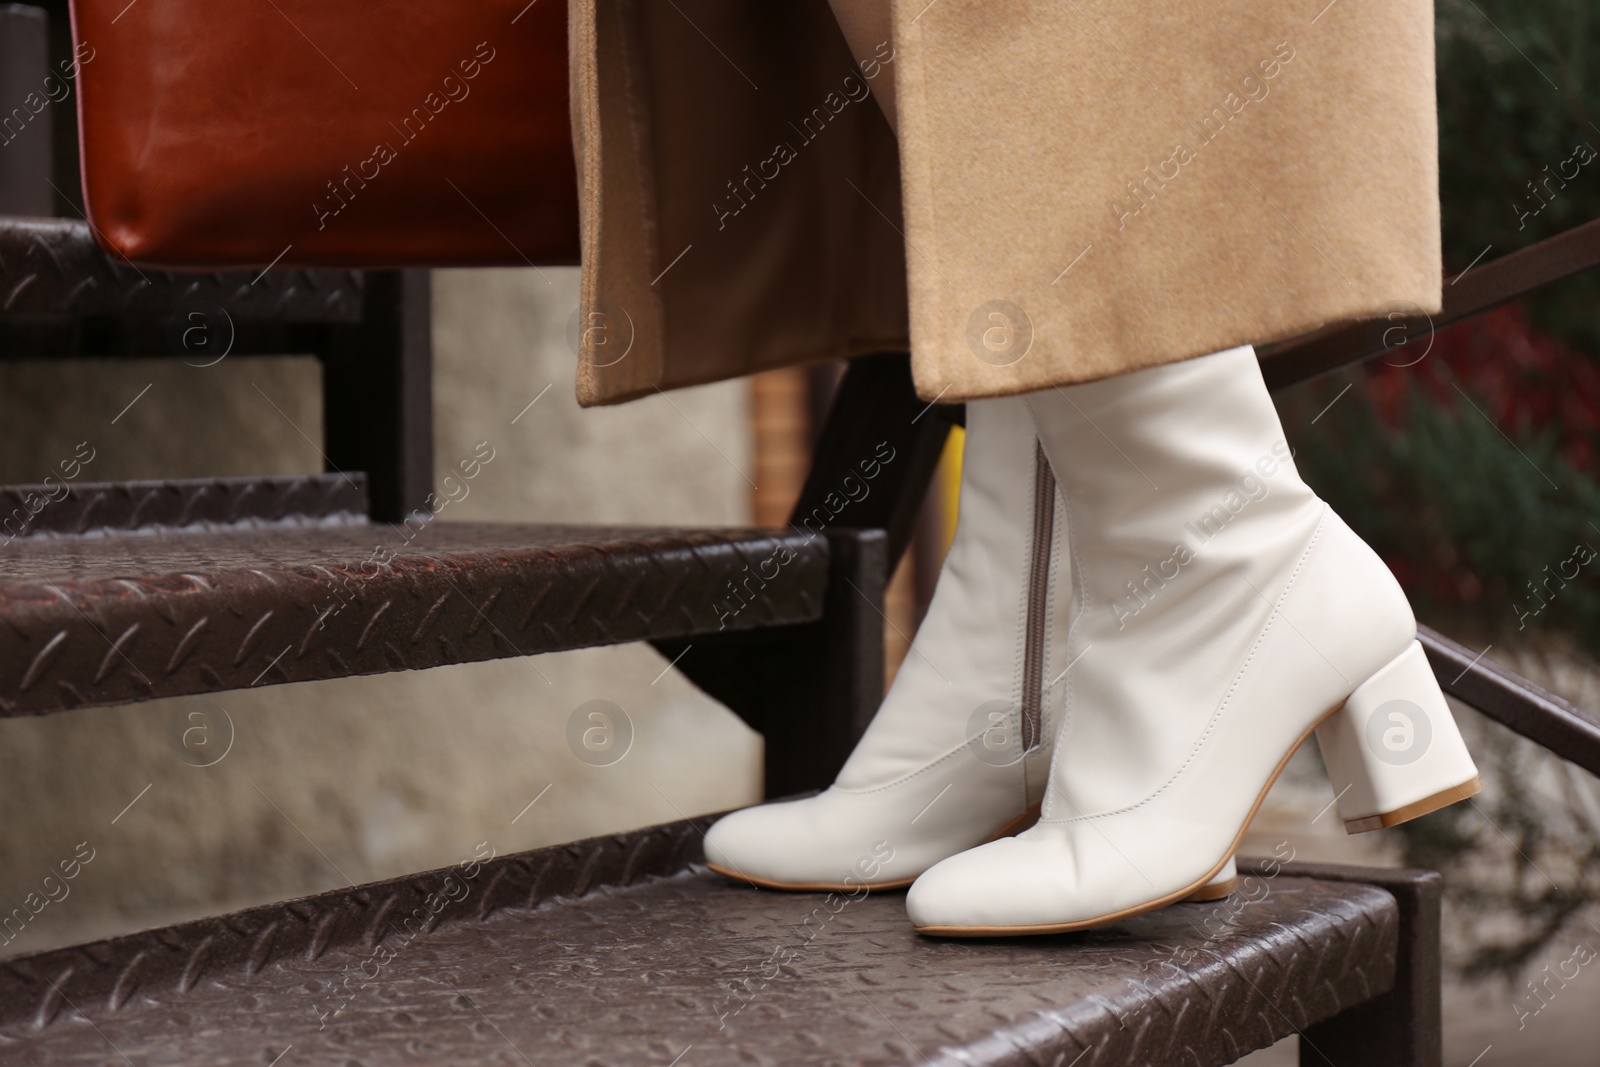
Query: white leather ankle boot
column 1221, row 613
column 960, row 749
column 933, row 773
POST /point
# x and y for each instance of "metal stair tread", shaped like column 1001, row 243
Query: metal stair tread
column 114, row 617
column 622, row 949
column 52, row 267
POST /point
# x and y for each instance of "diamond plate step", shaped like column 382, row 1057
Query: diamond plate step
column 122, row 507
column 127, row 593
column 621, row 950
column 53, row 267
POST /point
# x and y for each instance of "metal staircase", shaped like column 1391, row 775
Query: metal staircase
column 620, row 949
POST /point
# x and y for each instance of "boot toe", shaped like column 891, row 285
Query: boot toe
column 1049, row 880
column 809, row 844
column 757, row 844
column 1014, row 882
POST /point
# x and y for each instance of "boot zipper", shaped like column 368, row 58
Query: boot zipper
column 1044, row 509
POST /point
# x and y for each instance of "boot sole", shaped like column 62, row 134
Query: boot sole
column 1427, row 805
column 1209, row 893
column 1205, row 893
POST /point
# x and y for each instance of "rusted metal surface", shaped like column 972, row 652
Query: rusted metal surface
column 116, row 619
column 52, row 267
column 618, row 950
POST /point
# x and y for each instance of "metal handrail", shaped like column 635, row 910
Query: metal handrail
column 1472, row 292
column 1513, row 701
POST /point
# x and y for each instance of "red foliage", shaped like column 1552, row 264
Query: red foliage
column 1524, row 380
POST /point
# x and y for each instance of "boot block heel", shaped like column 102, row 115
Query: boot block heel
column 1393, row 751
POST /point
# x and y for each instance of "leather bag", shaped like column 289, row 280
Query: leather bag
column 298, row 132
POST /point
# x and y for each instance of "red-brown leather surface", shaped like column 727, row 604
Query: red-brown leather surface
column 360, row 133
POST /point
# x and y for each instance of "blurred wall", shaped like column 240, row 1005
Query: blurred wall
column 358, row 779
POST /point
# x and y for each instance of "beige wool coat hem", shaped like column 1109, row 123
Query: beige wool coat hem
column 1079, row 190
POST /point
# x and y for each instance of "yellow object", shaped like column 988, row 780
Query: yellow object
column 949, row 485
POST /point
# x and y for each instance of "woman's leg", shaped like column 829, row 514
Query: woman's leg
column 866, row 25
column 960, row 749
